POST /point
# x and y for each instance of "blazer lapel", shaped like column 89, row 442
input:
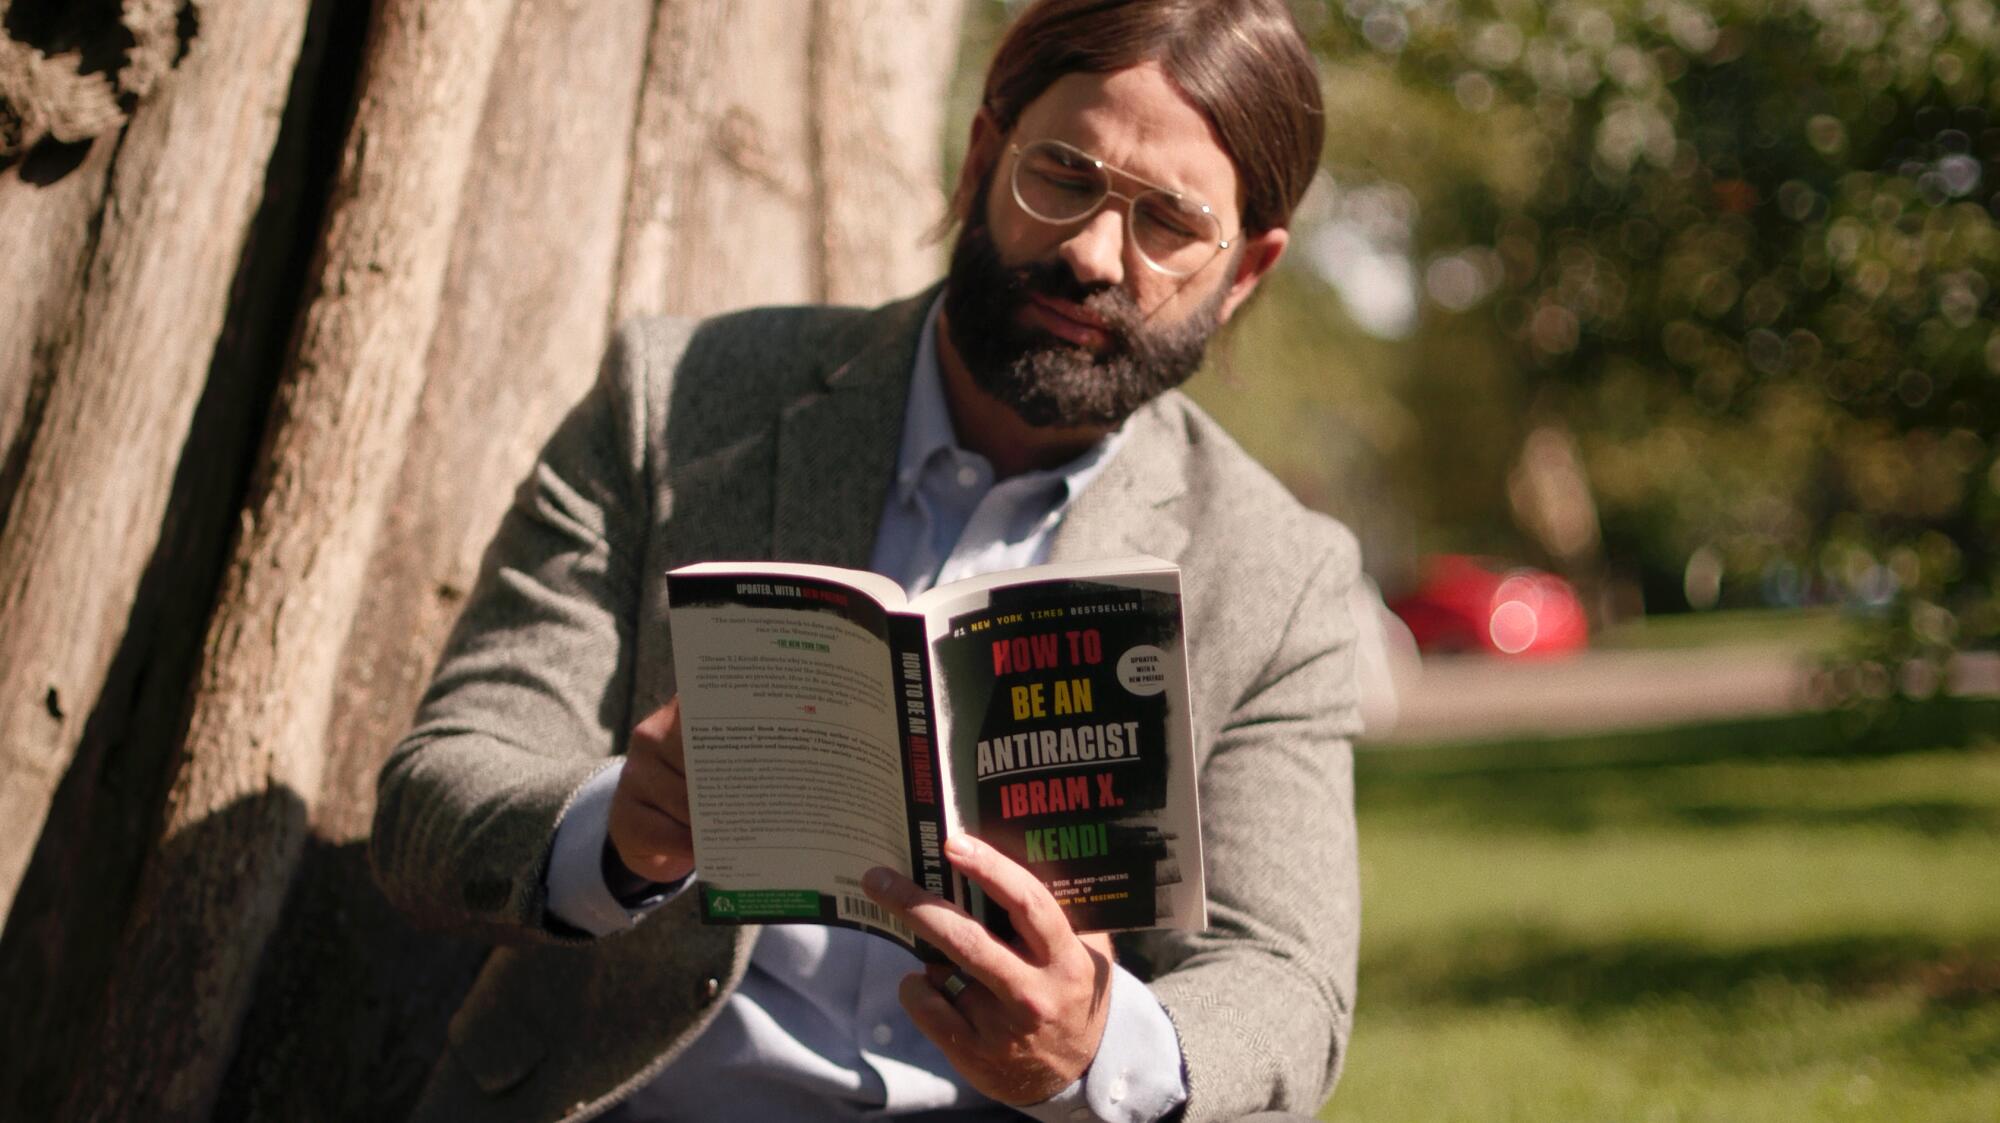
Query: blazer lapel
column 837, row 448
column 1135, row 506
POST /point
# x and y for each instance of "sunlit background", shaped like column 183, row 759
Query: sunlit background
column 1688, row 307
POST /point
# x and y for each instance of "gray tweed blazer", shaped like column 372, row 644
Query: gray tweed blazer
column 773, row 434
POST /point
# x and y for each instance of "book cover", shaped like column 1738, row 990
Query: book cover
column 1066, row 727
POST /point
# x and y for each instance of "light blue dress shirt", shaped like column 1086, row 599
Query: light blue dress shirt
column 816, row 1031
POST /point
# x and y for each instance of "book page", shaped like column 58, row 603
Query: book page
column 790, row 726
column 1064, row 704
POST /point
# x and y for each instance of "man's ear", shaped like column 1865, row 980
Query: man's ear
column 1259, row 254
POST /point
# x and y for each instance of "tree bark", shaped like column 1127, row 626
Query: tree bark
column 128, row 348
column 786, row 154
column 64, row 932
column 878, row 119
column 47, row 227
column 351, row 1009
column 717, row 216
column 253, row 755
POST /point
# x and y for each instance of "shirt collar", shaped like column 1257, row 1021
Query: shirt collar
column 928, row 433
column 927, row 419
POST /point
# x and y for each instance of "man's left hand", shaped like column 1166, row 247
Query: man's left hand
column 1029, row 1023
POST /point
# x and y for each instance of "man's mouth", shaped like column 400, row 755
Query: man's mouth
column 1066, row 320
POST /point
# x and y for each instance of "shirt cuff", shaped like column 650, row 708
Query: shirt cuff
column 578, row 895
column 1136, row 1076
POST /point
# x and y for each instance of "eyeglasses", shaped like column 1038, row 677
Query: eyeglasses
column 1061, row 185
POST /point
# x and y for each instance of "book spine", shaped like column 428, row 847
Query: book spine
column 923, row 766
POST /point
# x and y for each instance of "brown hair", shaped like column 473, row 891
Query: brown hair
column 1241, row 62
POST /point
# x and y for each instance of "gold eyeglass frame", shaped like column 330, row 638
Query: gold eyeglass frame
column 1131, row 202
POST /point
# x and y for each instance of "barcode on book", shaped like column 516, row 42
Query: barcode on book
column 868, row 912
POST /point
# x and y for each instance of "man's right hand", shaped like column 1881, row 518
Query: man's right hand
column 649, row 811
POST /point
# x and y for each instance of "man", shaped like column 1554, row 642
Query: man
column 1126, row 187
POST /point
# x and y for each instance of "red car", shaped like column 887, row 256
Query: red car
column 1477, row 604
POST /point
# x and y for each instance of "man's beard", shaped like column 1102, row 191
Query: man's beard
column 1050, row 381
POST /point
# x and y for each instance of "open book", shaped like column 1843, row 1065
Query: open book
column 831, row 726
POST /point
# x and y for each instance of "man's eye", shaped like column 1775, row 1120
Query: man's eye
column 1172, row 223
column 1067, row 181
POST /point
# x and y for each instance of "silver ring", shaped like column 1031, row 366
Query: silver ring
column 954, row 985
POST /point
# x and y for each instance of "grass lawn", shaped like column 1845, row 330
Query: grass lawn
column 1770, row 920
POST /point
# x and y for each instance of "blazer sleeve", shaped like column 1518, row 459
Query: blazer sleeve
column 530, row 696
column 1263, row 998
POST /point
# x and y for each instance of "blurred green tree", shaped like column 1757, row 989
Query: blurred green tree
column 1746, row 252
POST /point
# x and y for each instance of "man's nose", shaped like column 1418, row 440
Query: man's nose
column 1095, row 251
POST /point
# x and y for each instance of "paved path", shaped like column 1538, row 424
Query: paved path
column 1472, row 696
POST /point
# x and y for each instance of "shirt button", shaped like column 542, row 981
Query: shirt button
column 1117, row 1089
column 967, row 476
column 883, row 1034
column 710, row 988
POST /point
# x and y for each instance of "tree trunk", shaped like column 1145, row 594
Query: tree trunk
column 113, row 376
column 784, row 159
column 64, row 932
column 253, row 755
column 877, row 156
column 721, row 180
column 516, row 177
column 350, row 1010
column 44, row 245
